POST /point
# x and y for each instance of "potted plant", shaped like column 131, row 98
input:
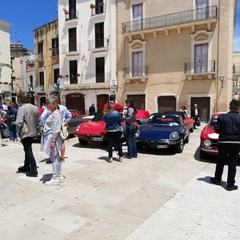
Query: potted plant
column 92, row 6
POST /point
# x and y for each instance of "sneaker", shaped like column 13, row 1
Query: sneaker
column 49, row 161
column 120, row 159
column 232, row 188
column 23, row 169
column 61, row 178
column 109, row 159
column 215, row 181
column 53, row 182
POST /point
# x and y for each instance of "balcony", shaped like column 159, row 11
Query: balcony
column 236, row 70
column 136, row 74
column 71, row 50
column 71, row 16
column 98, row 45
column 99, row 9
column 171, row 21
column 39, row 89
column 200, row 70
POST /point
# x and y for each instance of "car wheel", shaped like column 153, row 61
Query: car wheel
column 202, row 154
column 139, row 145
column 83, row 142
column 180, row 146
column 5, row 133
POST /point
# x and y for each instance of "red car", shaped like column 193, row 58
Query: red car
column 94, row 131
column 209, row 138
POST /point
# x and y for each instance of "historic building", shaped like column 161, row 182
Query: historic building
column 87, row 44
column 174, row 53
column 46, row 48
column 5, row 66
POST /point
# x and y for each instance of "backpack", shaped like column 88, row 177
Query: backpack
column 64, row 131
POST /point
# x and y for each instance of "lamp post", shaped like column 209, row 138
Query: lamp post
column 31, row 92
column 113, row 86
column 221, row 78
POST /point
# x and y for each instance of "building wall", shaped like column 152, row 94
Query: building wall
column 168, row 48
column 5, row 67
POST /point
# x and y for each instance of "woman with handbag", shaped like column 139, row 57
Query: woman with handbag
column 51, row 140
column 114, row 131
column 130, row 123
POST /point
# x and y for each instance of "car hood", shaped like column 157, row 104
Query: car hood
column 209, row 133
column 96, row 128
column 156, row 131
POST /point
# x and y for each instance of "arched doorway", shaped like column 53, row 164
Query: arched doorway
column 76, row 101
column 166, row 103
column 101, row 100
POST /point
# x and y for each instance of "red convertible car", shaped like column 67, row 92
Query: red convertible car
column 209, row 138
column 94, row 131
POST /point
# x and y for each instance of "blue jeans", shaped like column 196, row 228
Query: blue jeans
column 131, row 144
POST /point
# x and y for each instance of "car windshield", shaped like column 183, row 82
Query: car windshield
column 98, row 117
column 213, row 121
column 164, row 120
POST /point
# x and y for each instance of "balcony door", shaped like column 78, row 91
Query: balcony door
column 201, row 58
column 99, row 35
column 72, row 9
column 72, row 35
column 137, row 64
column 73, row 66
column 100, row 69
column 202, row 9
column 137, row 13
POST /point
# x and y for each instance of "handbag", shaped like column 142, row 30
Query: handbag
column 198, row 123
column 64, row 131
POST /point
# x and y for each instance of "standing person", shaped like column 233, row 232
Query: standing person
column 26, row 125
column 11, row 118
column 92, row 110
column 51, row 142
column 228, row 127
column 195, row 114
column 112, row 99
column 183, row 109
column 66, row 116
column 130, row 124
column 113, row 127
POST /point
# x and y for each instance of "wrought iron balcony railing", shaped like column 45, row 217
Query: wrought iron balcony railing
column 66, row 48
column 98, row 43
column 136, row 72
column 172, row 19
column 199, row 67
column 100, row 8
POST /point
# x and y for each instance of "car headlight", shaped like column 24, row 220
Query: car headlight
column 78, row 128
column 174, row 136
column 137, row 133
column 207, row 143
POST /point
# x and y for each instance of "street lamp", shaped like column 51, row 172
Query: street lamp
column 221, row 79
column 113, row 86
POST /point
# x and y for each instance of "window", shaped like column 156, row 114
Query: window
column 100, row 69
column 139, row 100
column 40, row 50
column 55, row 75
column 201, row 58
column 137, row 13
column 73, row 71
column 99, row 35
column 99, row 6
column 202, row 9
column 72, row 39
column 72, row 9
column 41, row 78
column 137, row 64
column 55, row 49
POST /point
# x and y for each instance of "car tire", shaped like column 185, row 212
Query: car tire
column 83, row 142
column 202, row 154
column 179, row 148
column 139, row 145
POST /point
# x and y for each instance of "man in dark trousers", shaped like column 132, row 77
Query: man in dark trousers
column 195, row 114
column 228, row 127
column 26, row 124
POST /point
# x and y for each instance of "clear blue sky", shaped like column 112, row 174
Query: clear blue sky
column 27, row 15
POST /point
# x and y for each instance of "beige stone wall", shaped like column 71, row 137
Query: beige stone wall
column 165, row 55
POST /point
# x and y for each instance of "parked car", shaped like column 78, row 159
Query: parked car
column 209, row 138
column 163, row 131
column 189, row 121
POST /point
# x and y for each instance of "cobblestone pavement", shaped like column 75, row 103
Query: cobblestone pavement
column 159, row 195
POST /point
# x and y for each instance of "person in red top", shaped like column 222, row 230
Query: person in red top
column 118, row 107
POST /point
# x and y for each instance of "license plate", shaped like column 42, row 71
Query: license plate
column 162, row 146
column 97, row 139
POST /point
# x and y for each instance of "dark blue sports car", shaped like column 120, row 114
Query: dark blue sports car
column 163, row 131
